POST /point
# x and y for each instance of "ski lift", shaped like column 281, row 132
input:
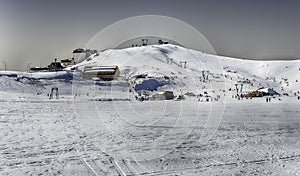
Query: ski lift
column 54, row 89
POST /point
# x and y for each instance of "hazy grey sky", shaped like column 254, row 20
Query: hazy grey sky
column 38, row 31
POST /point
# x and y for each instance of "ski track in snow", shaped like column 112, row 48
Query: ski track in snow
column 45, row 138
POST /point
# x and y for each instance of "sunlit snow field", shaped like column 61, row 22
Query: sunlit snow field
column 45, row 137
column 99, row 128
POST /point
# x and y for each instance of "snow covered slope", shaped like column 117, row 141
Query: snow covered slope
column 98, row 128
column 181, row 70
column 186, row 70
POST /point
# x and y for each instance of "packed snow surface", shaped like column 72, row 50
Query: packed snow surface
column 95, row 127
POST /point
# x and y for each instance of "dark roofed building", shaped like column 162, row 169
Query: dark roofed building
column 67, row 62
column 81, row 54
column 55, row 66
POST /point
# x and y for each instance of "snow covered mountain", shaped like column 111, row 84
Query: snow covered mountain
column 174, row 68
column 180, row 69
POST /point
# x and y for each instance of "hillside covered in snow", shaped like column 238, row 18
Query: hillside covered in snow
column 183, row 70
column 174, row 68
column 222, row 116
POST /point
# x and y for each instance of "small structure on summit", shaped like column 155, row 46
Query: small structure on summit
column 145, row 42
column 106, row 73
column 160, row 41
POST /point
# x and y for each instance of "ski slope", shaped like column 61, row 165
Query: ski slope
column 224, row 72
column 100, row 128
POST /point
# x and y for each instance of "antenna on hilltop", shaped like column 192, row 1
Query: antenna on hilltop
column 183, row 64
column 145, row 42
